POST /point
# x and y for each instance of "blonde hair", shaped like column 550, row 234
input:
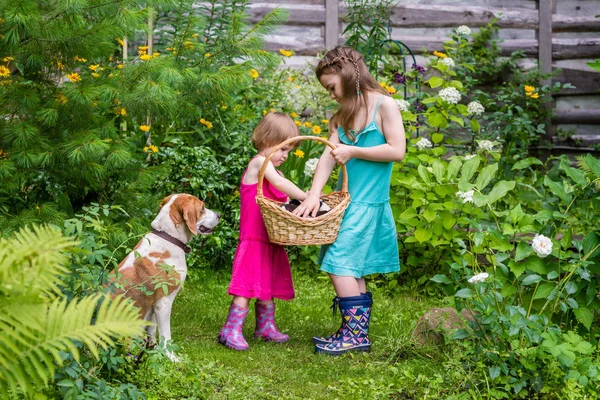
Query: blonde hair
column 274, row 129
column 356, row 81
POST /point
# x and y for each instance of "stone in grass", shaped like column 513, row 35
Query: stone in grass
column 437, row 322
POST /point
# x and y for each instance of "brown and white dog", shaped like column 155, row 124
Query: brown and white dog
column 153, row 273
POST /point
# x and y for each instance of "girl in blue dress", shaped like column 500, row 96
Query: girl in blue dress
column 369, row 136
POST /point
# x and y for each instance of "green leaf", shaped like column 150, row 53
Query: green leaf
column 435, row 81
column 430, row 215
column 544, row 290
column 524, row 250
column 494, row 372
column 585, row 316
column 594, row 164
column 577, row 175
column 441, row 279
column 558, row 189
column 475, row 125
column 500, row 190
column 485, row 176
column 526, row 163
column 458, row 120
column 469, row 168
column 423, row 234
column 531, row 280
column 536, row 264
column 437, row 138
column 590, row 241
column 456, row 84
column 464, row 293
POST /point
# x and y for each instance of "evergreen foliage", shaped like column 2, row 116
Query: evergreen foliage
column 37, row 322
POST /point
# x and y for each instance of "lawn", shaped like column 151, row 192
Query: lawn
column 393, row 369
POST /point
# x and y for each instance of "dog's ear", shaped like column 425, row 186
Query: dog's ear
column 192, row 209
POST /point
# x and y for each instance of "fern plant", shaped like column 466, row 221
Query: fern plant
column 37, row 322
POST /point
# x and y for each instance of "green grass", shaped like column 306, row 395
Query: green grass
column 393, row 369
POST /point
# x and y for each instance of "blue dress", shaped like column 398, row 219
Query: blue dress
column 367, row 242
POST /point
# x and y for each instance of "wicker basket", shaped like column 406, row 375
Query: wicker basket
column 286, row 228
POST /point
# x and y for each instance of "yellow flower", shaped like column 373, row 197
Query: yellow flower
column 291, row 78
column 60, row 98
column 207, row 55
column 144, row 48
column 4, row 72
column 298, row 123
column 299, row 153
column 293, row 115
column 170, row 48
column 60, row 65
column 144, row 128
column 94, row 67
column 206, row 123
column 120, row 41
column 121, row 111
column 7, row 59
column 120, row 66
column 142, row 52
column 529, row 88
column 155, row 54
column 74, row 77
column 145, row 57
column 224, row 107
column 95, row 75
column 440, row 55
column 308, row 124
column 264, row 112
column 535, row 96
column 77, row 58
column 188, row 45
column 154, row 149
column 195, row 35
column 209, row 125
column 285, row 53
column 253, row 73
column 146, row 149
column 390, row 90
column 325, row 121
column 316, row 129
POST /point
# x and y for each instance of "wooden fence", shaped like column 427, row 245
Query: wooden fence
column 557, row 34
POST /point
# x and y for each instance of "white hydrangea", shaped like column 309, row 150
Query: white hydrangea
column 403, row 105
column 486, row 145
column 542, row 245
column 466, row 197
column 423, row 144
column 463, row 30
column 311, row 166
column 451, row 95
column 475, row 108
column 448, row 62
column 479, row 277
column 469, row 156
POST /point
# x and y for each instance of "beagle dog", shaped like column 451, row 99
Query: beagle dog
column 153, row 273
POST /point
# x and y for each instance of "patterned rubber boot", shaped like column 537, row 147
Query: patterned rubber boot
column 231, row 333
column 356, row 314
column 265, row 324
column 331, row 338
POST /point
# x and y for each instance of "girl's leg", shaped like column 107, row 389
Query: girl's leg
column 231, row 333
column 362, row 285
column 347, row 286
column 265, row 322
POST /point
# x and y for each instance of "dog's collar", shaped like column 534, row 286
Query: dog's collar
column 187, row 249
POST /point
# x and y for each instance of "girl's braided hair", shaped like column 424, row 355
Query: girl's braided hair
column 356, row 82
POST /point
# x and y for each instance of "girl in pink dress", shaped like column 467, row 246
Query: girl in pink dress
column 261, row 269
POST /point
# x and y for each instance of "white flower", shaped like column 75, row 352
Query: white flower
column 403, row 105
column 423, row 143
column 311, row 166
column 542, row 245
column 463, row 30
column 451, row 95
column 448, row 62
column 486, row 145
column 469, row 156
column 475, row 107
column 479, row 277
column 466, row 197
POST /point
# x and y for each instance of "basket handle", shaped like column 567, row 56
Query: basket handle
column 261, row 173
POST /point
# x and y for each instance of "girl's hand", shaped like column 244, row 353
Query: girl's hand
column 342, row 153
column 310, row 206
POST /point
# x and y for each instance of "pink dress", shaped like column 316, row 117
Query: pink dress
column 261, row 269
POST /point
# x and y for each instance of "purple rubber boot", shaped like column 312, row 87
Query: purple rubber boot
column 231, row 333
column 265, row 324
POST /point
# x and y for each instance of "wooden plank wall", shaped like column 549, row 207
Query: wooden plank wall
column 570, row 41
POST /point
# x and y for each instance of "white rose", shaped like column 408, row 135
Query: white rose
column 451, row 95
column 542, row 245
column 475, row 108
column 486, row 145
column 403, row 105
column 310, row 166
column 479, row 277
column 466, row 197
column 448, row 62
column 423, row 143
column 463, row 30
